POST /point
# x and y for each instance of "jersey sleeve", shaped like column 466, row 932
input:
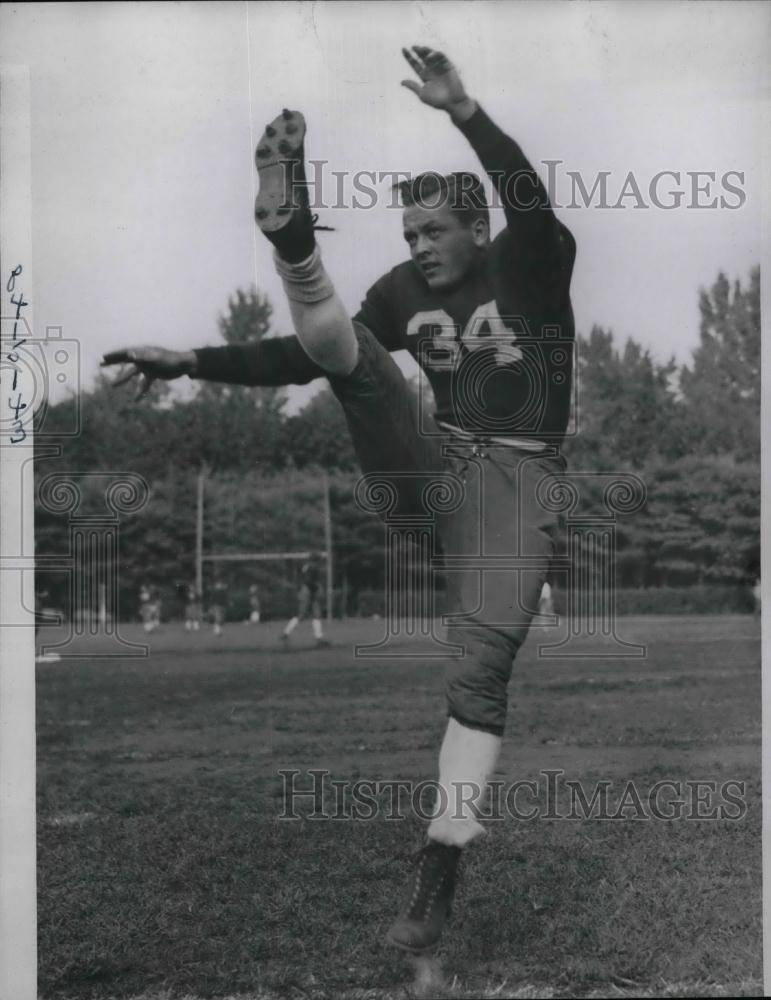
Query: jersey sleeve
column 539, row 245
column 278, row 361
column 273, row 361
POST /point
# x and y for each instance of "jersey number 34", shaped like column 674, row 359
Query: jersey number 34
column 485, row 329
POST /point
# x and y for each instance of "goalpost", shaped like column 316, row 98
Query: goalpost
column 240, row 557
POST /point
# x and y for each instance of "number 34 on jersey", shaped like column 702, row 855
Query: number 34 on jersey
column 443, row 341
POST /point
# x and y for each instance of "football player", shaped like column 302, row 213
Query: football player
column 218, row 607
column 309, row 597
column 491, row 324
column 254, row 605
column 192, row 608
column 148, row 609
column 41, row 596
column 546, row 605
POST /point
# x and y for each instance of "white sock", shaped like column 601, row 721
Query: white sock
column 316, row 626
column 321, row 321
column 306, row 281
column 466, row 761
column 291, row 625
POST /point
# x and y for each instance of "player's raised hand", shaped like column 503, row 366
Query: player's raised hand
column 148, row 364
column 440, row 85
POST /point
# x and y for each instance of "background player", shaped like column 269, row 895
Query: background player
column 309, row 598
column 41, row 618
column 254, row 605
column 546, row 606
column 149, row 608
column 218, row 606
column 193, row 610
column 483, row 317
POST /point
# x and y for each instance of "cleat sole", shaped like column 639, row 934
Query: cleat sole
column 279, row 148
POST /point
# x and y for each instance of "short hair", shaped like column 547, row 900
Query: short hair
column 462, row 191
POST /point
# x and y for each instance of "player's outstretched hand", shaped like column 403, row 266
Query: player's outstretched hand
column 441, row 86
column 150, row 363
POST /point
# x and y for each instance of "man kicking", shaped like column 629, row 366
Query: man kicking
column 491, row 324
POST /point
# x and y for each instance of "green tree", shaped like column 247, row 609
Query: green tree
column 626, row 405
column 233, row 426
column 700, row 525
column 721, row 387
column 318, row 434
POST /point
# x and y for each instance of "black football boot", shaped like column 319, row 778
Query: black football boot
column 282, row 209
column 419, row 926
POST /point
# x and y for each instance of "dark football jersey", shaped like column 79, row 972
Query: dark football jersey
column 311, row 576
column 498, row 349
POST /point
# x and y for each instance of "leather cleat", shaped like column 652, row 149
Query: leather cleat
column 279, row 158
column 419, row 926
column 282, row 209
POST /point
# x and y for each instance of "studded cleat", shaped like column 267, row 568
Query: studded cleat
column 279, row 159
column 282, row 210
column 419, row 926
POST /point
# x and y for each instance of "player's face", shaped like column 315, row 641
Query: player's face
column 442, row 246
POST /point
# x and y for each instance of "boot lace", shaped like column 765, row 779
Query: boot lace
column 318, row 228
column 430, row 877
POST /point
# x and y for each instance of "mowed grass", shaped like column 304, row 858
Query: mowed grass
column 166, row 872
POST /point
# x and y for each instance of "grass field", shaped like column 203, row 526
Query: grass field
column 165, row 872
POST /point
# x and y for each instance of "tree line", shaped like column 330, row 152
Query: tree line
column 691, row 432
